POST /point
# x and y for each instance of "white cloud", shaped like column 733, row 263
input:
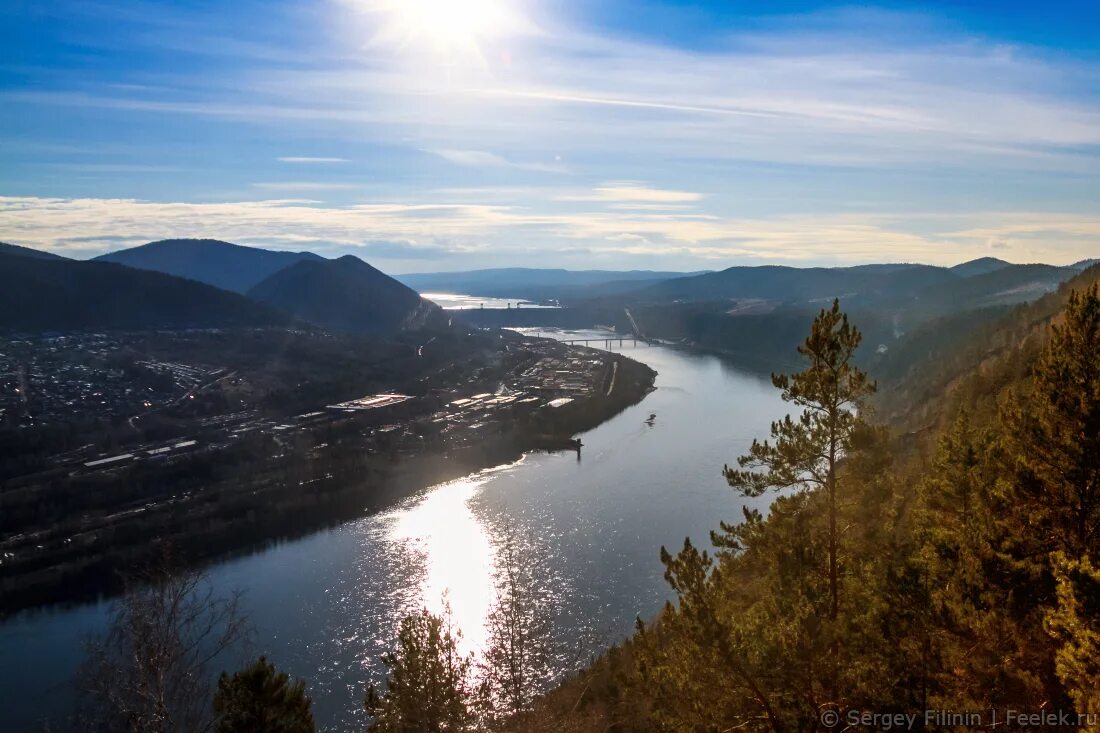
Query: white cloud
column 485, row 159
column 76, row 226
column 636, row 193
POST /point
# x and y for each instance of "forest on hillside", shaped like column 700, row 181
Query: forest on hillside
column 943, row 577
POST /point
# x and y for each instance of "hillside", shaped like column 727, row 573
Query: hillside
column 15, row 249
column 930, row 361
column 61, row 295
column 221, row 264
column 346, row 295
column 775, row 282
column 980, row 266
column 1003, row 286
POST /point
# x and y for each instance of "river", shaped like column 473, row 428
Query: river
column 325, row 607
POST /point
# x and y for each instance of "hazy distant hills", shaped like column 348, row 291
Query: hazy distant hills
column 987, row 281
column 202, row 283
column 221, row 264
column 14, row 249
column 980, row 266
column 345, row 294
column 1005, row 285
column 799, row 283
column 535, row 284
column 57, row 294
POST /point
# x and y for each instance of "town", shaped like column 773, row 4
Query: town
column 219, row 481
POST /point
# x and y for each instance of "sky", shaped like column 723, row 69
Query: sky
column 430, row 135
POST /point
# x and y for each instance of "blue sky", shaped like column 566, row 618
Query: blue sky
column 454, row 134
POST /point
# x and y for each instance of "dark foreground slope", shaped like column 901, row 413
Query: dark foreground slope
column 62, row 295
column 221, row 264
column 345, row 295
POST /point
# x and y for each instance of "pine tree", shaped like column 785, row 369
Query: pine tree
column 1053, row 437
column 259, row 698
column 807, row 449
column 428, row 689
column 1075, row 623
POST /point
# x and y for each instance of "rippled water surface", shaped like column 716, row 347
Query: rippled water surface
column 326, row 607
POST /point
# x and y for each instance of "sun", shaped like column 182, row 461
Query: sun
column 447, row 25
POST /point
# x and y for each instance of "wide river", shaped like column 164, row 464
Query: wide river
column 325, row 607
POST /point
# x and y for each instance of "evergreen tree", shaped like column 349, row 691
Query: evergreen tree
column 1053, row 438
column 259, row 698
column 428, row 689
column 806, row 450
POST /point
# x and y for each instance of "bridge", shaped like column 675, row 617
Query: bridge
column 607, row 342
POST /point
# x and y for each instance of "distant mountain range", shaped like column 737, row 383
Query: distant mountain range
column 980, row 282
column 980, row 266
column 15, row 249
column 221, row 264
column 205, row 282
column 535, row 284
column 202, row 283
column 798, row 283
column 56, row 294
column 347, row 295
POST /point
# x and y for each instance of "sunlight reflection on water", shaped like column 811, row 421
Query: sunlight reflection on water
column 457, row 554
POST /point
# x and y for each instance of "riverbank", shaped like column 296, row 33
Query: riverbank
column 240, row 503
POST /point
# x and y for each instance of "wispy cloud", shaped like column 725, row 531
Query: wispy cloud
column 485, row 159
column 633, row 192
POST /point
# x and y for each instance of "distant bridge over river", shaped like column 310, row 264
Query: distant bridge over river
column 607, row 342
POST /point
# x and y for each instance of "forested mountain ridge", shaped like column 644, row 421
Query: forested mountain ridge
column 797, row 283
column 224, row 265
column 38, row 294
column 896, row 309
column 979, row 266
column 15, row 249
column 930, row 368
column 347, row 295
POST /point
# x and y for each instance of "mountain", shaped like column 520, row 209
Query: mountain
column 221, row 264
column 1003, row 286
column 980, row 266
column 1085, row 264
column 924, row 365
column 15, row 249
column 776, row 282
column 347, row 295
column 534, row 283
column 47, row 294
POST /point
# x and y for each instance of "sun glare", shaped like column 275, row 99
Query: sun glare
column 447, row 25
